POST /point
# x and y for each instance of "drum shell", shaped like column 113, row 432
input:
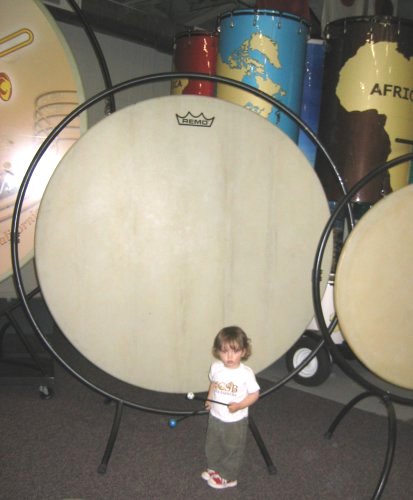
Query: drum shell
column 360, row 120
column 265, row 49
column 311, row 97
column 195, row 52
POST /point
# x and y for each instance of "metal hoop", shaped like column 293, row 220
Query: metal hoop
column 153, row 78
column 338, row 357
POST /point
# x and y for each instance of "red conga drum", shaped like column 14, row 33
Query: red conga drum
column 195, row 51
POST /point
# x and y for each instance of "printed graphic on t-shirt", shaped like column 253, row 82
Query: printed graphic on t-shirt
column 226, row 388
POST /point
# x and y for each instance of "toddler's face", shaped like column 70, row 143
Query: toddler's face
column 231, row 355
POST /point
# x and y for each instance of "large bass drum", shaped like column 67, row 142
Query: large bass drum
column 169, row 220
column 374, row 287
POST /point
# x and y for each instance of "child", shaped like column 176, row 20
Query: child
column 233, row 384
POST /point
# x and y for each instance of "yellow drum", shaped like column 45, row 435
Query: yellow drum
column 367, row 103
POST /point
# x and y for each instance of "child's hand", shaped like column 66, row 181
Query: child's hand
column 233, row 407
column 207, row 405
column 249, row 400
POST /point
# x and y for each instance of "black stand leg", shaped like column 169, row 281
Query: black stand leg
column 112, row 438
column 391, row 436
column 261, row 445
column 35, row 368
column 115, row 428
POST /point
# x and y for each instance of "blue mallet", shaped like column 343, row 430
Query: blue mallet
column 173, row 422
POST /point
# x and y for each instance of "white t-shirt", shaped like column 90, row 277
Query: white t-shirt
column 231, row 385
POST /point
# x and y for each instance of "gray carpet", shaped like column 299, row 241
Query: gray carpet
column 51, row 449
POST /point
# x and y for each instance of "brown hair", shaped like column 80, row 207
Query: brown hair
column 233, row 336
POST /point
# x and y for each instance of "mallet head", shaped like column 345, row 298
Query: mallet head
column 172, row 423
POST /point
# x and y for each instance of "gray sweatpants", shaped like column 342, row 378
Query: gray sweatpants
column 225, row 446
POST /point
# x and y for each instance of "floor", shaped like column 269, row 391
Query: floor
column 341, row 388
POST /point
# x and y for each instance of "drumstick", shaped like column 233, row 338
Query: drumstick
column 191, row 395
column 173, row 422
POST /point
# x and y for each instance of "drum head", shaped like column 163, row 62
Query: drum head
column 169, row 220
column 33, row 100
column 374, row 289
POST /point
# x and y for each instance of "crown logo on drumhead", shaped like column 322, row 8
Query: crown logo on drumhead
column 195, row 121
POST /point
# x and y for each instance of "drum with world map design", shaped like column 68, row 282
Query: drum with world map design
column 311, row 98
column 265, row 49
column 367, row 103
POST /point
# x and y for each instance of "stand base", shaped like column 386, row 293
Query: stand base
column 391, row 436
column 115, row 428
column 22, row 370
column 263, row 449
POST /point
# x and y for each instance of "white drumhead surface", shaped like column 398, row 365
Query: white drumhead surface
column 374, row 289
column 153, row 235
column 39, row 85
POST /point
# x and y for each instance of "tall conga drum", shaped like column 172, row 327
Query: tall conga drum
column 311, row 98
column 367, row 103
column 265, row 49
column 195, row 52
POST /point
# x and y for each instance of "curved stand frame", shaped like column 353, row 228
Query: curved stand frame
column 372, row 389
column 155, row 78
column 316, row 274
column 112, row 437
column 116, row 424
column 391, row 435
column 15, row 240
